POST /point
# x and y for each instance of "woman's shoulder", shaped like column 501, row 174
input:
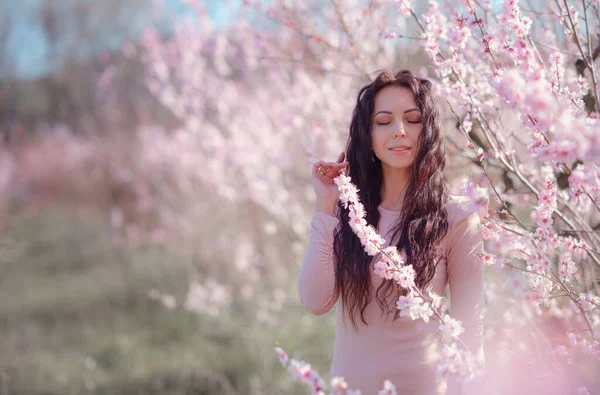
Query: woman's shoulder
column 461, row 207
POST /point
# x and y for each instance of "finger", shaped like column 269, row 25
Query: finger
column 327, row 171
column 341, row 157
column 320, row 170
column 321, row 166
column 323, row 174
column 328, row 165
column 337, row 165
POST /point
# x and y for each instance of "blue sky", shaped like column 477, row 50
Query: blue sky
column 28, row 49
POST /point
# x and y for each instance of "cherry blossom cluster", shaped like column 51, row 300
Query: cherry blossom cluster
column 367, row 234
column 403, row 6
column 303, row 372
column 478, row 196
column 585, row 180
column 526, row 113
column 514, row 19
column 435, row 30
column 391, row 266
column 591, row 347
column 544, row 210
column 455, row 361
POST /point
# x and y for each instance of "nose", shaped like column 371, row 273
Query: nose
column 400, row 131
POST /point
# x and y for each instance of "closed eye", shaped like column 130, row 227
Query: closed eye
column 387, row 123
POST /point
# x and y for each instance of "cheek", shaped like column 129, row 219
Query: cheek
column 415, row 136
column 376, row 138
column 415, row 132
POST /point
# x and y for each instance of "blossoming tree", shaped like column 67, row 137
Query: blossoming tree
column 520, row 89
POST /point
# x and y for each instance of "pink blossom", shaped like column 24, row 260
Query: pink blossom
column 487, row 259
column 404, row 7
column 405, row 276
column 490, row 230
column 451, row 327
column 466, row 125
column 302, row 371
column 435, row 29
column 388, row 388
column 414, row 307
column 437, row 301
column 539, row 263
column 566, row 269
column 369, row 238
column 544, row 221
column 384, row 270
column 513, row 20
column 338, row 385
column 478, row 197
column 455, row 361
column 460, row 34
column 283, row 357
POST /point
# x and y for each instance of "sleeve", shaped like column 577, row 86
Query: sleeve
column 316, row 279
column 466, row 281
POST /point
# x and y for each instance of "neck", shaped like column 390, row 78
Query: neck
column 395, row 182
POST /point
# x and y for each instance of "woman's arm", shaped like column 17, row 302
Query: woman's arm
column 316, row 280
column 466, row 281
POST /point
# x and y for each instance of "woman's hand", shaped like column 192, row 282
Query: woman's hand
column 322, row 177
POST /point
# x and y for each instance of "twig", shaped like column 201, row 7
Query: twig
column 590, row 61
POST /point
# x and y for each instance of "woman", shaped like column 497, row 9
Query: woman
column 396, row 157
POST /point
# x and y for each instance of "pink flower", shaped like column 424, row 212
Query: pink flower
column 392, row 256
column 437, row 301
column 544, row 222
column 388, row 388
column 451, row 327
column 478, row 196
column 487, row 259
column 302, row 371
column 414, row 307
column 283, row 357
column 369, row 238
column 457, row 361
column 404, row 7
column 566, row 269
column 460, row 34
column 338, row 384
column 490, row 230
column 384, row 270
column 466, row 125
column 405, row 276
column 348, row 191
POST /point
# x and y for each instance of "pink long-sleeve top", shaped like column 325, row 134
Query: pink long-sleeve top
column 404, row 351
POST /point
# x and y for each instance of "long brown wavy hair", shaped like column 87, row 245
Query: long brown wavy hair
column 423, row 221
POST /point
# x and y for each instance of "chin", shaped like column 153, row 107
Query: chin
column 400, row 166
column 400, row 162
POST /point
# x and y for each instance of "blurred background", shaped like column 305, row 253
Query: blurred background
column 154, row 190
column 155, row 195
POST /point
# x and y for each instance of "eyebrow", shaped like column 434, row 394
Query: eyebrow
column 389, row 112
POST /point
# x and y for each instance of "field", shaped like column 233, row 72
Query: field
column 76, row 318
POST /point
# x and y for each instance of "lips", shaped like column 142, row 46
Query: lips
column 400, row 148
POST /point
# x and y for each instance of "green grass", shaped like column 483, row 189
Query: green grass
column 76, row 318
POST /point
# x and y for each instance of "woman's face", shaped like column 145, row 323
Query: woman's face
column 396, row 126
